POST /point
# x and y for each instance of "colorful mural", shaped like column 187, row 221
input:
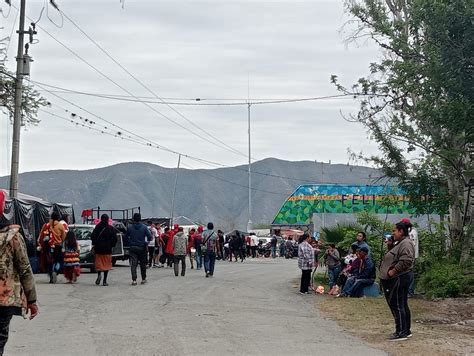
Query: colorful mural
column 334, row 198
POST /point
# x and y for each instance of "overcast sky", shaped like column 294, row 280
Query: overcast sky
column 192, row 49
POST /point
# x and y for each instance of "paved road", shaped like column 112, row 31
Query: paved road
column 246, row 309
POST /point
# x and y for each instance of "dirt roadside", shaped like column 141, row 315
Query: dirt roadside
column 441, row 327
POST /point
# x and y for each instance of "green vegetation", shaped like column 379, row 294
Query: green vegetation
column 437, row 271
column 417, row 104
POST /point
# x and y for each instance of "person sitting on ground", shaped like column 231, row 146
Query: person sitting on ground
column 351, row 263
column 331, row 258
column 363, row 277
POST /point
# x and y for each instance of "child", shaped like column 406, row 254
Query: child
column 72, row 268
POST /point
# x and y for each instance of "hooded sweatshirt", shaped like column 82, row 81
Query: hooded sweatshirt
column 139, row 234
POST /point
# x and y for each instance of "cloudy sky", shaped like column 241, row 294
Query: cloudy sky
column 183, row 50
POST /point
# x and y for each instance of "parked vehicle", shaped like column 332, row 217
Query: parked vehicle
column 86, row 257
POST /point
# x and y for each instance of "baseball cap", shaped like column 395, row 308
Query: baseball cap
column 405, row 221
column 364, row 249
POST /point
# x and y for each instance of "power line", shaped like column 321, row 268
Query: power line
column 197, row 101
column 131, row 94
column 153, row 144
column 228, row 147
column 103, row 130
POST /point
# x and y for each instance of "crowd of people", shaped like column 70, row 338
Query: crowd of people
column 149, row 247
column 349, row 276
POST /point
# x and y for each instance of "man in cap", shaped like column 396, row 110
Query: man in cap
column 17, row 285
column 361, row 278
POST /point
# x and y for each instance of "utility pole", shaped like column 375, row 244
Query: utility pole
column 250, row 224
column 17, row 112
column 174, row 191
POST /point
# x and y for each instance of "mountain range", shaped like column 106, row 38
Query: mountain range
column 219, row 195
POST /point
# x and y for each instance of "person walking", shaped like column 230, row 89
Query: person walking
column 158, row 247
column 396, row 275
column 52, row 236
column 180, row 246
column 169, row 246
column 333, row 263
column 139, row 236
column 191, row 248
column 152, row 243
column 164, row 242
column 209, row 246
column 220, row 245
column 72, row 269
column 104, row 239
column 305, row 262
column 17, row 290
column 253, row 244
column 197, row 245
column 274, row 242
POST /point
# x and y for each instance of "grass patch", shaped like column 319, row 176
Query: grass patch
column 437, row 327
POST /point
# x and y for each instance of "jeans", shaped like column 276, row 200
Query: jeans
column 151, row 254
column 198, row 258
column 274, row 250
column 4, row 328
column 177, row 259
column 209, row 262
column 138, row 255
column 354, row 287
column 333, row 273
column 396, row 294
column 305, row 280
column 57, row 260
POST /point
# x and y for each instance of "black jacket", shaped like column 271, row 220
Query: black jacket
column 104, row 239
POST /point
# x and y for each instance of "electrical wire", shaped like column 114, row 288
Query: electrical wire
column 148, row 89
column 53, row 4
column 151, row 143
column 197, row 102
column 85, row 123
column 8, row 14
column 206, row 139
column 11, row 36
column 216, row 141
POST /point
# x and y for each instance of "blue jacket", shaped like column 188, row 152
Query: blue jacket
column 138, row 234
column 368, row 269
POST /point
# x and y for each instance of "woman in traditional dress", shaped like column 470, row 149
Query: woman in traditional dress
column 104, row 239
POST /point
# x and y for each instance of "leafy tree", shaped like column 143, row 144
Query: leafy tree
column 32, row 100
column 417, row 101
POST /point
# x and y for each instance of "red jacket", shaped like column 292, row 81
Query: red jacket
column 169, row 246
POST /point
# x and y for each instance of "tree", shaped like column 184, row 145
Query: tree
column 417, row 101
column 32, row 100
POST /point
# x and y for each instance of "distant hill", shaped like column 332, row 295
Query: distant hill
column 218, row 195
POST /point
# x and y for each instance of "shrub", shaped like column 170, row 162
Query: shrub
column 444, row 279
